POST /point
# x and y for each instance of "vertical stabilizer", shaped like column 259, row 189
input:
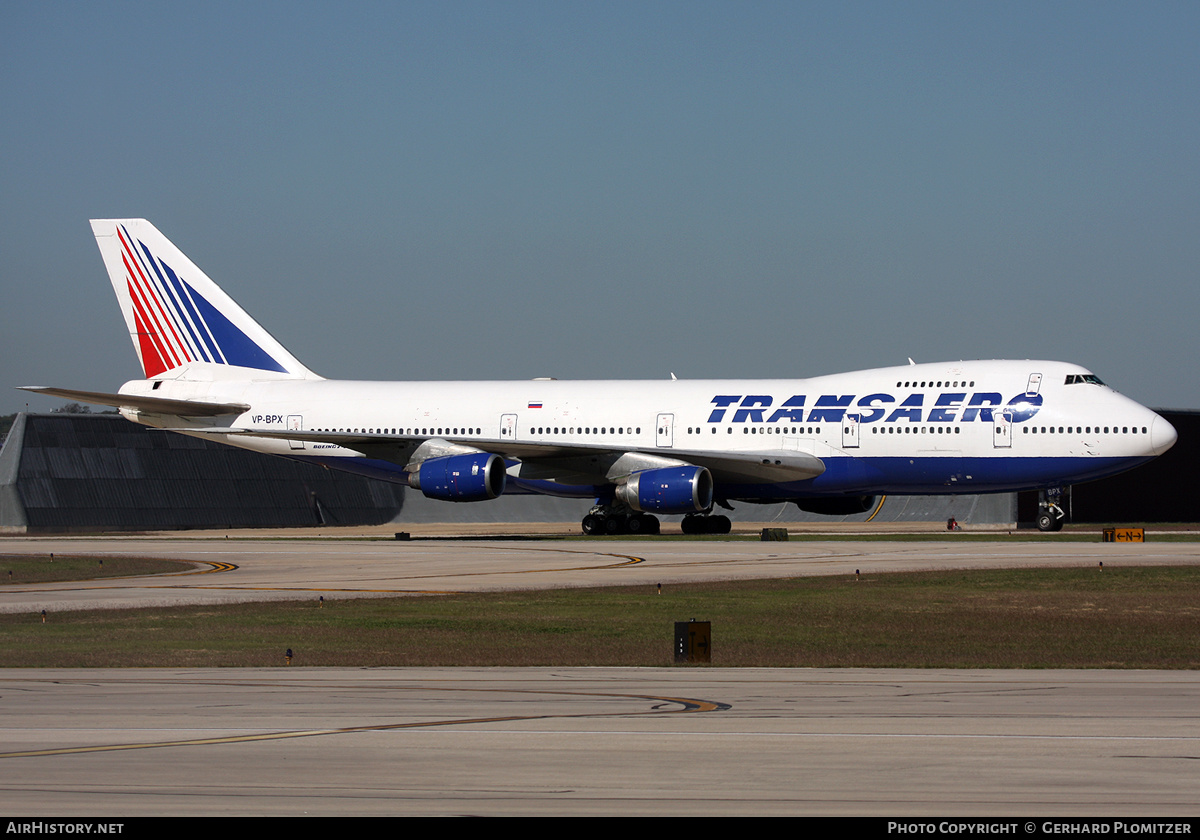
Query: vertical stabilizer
column 176, row 314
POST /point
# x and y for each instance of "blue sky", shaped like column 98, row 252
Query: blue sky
column 615, row 190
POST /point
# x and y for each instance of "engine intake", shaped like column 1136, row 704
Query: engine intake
column 668, row 490
column 474, row 477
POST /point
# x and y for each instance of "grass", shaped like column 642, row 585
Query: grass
column 1138, row 617
column 50, row 568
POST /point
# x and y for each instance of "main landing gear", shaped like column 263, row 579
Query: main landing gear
column 601, row 522
column 605, row 521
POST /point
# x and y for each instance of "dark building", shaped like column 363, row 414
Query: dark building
column 99, row 472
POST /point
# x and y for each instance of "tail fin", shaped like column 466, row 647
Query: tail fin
column 175, row 314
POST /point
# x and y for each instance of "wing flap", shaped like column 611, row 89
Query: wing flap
column 753, row 467
column 578, row 462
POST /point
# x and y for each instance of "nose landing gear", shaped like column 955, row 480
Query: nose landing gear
column 1051, row 515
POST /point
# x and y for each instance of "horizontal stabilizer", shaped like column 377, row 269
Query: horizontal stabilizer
column 339, row 438
column 157, row 405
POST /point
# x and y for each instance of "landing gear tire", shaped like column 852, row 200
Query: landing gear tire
column 1048, row 522
column 616, row 524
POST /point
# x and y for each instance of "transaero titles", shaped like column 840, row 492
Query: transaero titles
column 831, row 408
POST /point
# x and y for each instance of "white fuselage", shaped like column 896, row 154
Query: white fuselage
column 960, row 427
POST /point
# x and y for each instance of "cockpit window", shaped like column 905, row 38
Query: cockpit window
column 1081, row 378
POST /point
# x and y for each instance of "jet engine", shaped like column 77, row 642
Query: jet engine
column 683, row 489
column 473, row 477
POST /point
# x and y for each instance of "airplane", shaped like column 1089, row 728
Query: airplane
column 828, row 444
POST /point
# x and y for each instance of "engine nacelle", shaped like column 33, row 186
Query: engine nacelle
column 668, row 490
column 473, row 477
column 837, row 507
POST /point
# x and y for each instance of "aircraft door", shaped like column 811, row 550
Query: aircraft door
column 1034, row 385
column 850, row 431
column 296, row 424
column 1002, row 429
column 508, row 426
column 666, row 429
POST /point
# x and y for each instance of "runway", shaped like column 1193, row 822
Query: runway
column 599, row 742
column 238, row 570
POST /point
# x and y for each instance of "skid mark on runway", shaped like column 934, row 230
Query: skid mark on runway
column 623, row 561
column 661, row 706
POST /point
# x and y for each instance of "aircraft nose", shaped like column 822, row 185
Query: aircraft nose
column 1162, row 435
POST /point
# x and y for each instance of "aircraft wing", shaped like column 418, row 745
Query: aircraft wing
column 571, row 463
column 179, row 408
column 768, row 466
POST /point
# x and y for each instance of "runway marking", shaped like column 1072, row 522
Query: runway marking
column 122, row 581
column 687, row 705
column 878, row 508
column 216, row 567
